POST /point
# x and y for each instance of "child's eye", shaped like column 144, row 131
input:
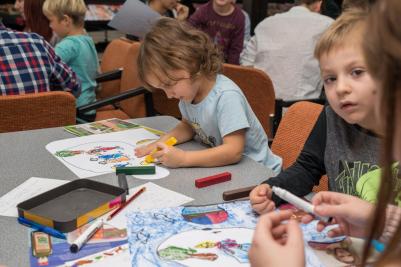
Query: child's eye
column 329, row 80
column 357, row 72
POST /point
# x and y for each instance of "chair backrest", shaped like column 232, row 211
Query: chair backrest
column 134, row 107
column 258, row 89
column 165, row 106
column 113, row 58
column 36, row 111
column 293, row 131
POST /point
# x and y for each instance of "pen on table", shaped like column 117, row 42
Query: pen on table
column 41, row 228
column 170, row 142
column 134, row 196
column 86, row 235
column 297, row 202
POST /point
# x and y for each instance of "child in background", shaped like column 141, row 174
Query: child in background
column 225, row 24
column 169, row 8
column 185, row 64
column 343, row 143
column 76, row 48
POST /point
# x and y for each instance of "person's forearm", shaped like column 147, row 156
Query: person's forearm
column 212, row 157
column 393, row 219
column 183, row 132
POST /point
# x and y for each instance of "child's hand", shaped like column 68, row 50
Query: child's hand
column 182, row 11
column 260, row 198
column 169, row 156
column 277, row 244
column 144, row 150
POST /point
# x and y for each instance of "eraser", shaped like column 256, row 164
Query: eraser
column 136, row 170
column 214, row 179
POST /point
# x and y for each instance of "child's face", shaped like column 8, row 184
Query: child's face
column 59, row 26
column 350, row 90
column 184, row 89
column 223, row 2
column 169, row 4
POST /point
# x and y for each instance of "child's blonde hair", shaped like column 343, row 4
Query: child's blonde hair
column 341, row 31
column 75, row 9
column 173, row 45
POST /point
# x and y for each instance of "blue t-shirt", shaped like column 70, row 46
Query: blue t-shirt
column 79, row 52
column 226, row 110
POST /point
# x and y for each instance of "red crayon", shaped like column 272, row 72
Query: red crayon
column 214, row 179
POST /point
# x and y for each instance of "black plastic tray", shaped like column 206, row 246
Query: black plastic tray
column 72, row 205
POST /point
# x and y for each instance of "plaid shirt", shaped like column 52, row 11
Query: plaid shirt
column 28, row 64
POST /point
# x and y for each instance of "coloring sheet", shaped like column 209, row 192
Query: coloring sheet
column 215, row 235
column 94, row 155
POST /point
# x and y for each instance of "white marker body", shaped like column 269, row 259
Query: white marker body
column 297, row 202
column 86, row 235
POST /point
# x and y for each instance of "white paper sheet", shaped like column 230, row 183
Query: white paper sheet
column 154, row 197
column 28, row 189
column 94, row 155
column 134, row 18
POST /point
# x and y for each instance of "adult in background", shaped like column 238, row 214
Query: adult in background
column 283, row 47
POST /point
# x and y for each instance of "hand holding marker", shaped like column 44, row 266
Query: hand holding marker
column 297, row 202
column 170, row 142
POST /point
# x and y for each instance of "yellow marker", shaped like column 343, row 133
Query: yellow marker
column 170, row 142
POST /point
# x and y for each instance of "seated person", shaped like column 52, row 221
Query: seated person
column 214, row 109
column 169, row 8
column 39, row 68
column 224, row 22
column 283, row 47
column 76, row 48
column 344, row 142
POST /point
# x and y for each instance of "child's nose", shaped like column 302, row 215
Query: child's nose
column 343, row 87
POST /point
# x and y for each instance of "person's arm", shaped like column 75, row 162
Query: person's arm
column 62, row 77
column 229, row 152
column 248, row 55
column 183, row 132
column 306, row 172
column 236, row 43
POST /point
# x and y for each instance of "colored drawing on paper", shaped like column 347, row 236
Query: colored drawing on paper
column 216, row 247
column 100, row 154
column 118, row 256
column 165, row 237
column 205, row 215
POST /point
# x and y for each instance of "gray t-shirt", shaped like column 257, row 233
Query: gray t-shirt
column 226, row 110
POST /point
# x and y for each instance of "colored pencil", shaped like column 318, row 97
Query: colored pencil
column 132, row 198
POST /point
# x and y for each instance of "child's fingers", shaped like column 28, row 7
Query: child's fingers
column 261, row 207
column 294, row 234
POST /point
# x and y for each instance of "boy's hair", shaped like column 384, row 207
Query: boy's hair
column 340, row 31
column 75, row 9
column 173, row 45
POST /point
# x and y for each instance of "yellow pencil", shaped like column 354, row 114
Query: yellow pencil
column 170, row 142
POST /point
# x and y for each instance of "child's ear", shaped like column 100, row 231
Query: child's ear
column 66, row 19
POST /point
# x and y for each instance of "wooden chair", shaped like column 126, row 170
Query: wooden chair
column 113, row 61
column 130, row 107
column 258, row 89
column 36, row 111
column 292, row 133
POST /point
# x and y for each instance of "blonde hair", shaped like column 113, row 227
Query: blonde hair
column 174, row 45
column 340, row 31
column 75, row 9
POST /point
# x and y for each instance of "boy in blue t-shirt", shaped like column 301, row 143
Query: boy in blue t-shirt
column 76, row 48
column 185, row 64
